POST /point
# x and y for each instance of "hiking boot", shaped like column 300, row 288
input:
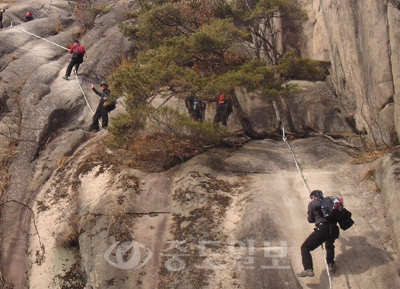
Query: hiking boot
column 65, row 77
column 332, row 267
column 306, row 273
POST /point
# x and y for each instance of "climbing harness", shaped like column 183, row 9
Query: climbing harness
column 51, row 42
column 308, row 191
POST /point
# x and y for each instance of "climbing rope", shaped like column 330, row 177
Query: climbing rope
column 327, row 267
column 308, row 191
column 295, row 161
column 23, row 30
column 51, row 42
column 83, row 93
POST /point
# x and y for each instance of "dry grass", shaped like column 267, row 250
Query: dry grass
column 56, row 24
column 77, row 33
column 369, row 175
column 59, row 27
column 62, row 161
column 7, row 155
column 4, row 181
column 159, row 152
column 120, row 224
column 367, row 157
column 18, row 86
column 122, row 61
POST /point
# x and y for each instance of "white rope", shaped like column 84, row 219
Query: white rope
column 327, row 267
column 83, row 93
column 76, row 74
column 295, row 161
column 308, row 191
column 23, row 30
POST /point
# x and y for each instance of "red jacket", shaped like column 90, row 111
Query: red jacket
column 75, row 45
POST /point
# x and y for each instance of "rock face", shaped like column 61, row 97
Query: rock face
column 221, row 220
column 48, row 115
column 387, row 177
column 225, row 219
column 314, row 106
column 360, row 39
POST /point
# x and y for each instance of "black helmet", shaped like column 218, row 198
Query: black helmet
column 103, row 83
column 317, row 193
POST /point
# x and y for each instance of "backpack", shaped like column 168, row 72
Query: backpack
column 332, row 209
column 80, row 50
column 111, row 106
column 197, row 105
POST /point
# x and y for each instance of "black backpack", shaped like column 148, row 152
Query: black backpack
column 332, row 209
column 111, row 106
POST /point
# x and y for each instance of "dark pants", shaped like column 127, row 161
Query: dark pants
column 221, row 115
column 101, row 112
column 323, row 233
column 196, row 114
column 75, row 61
column 220, row 118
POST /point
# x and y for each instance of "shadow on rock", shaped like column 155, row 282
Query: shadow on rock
column 358, row 256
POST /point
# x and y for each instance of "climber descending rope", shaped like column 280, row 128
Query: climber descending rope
column 308, row 192
column 62, row 47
